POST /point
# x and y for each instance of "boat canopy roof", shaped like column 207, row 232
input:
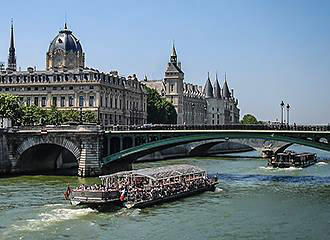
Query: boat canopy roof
column 159, row 172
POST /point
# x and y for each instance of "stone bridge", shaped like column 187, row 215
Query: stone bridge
column 43, row 149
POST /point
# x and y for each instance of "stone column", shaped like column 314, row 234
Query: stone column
column 90, row 156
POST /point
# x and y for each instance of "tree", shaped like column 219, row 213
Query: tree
column 249, row 119
column 33, row 115
column 160, row 111
column 89, row 117
column 54, row 117
column 71, row 116
column 10, row 107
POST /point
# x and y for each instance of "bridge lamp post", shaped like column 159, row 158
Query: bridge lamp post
column 80, row 114
column 282, row 106
column 98, row 116
column 287, row 114
column 192, row 112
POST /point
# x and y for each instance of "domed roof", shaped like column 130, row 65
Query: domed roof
column 65, row 41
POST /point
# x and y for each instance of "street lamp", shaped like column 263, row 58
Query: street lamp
column 282, row 106
column 192, row 112
column 81, row 117
column 287, row 115
column 98, row 116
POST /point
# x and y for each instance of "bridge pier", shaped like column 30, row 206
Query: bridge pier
column 89, row 162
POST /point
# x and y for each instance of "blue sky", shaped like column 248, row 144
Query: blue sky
column 270, row 50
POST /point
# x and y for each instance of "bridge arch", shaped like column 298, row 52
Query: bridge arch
column 129, row 155
column 63, row 142
column 37, row 154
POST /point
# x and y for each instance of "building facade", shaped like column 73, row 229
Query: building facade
column 68, row 84
column 211, row 105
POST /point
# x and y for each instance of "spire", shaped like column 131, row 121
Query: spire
column 173, row 50
column 65, row 25
column 11, row 56
column 174, row 57
column 208, row 89
column 216, row 88
column 225, row 89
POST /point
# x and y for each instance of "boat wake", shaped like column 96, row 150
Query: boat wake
column 218, row 189
column 321, row 163
column 47, row 218
column 281, row 169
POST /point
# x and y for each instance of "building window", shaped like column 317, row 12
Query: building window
column 43, row 88
column 71, row 88
column 172, row 87
column 91, row 101
column 43, row 101
column 54, row 103
column 54, row 88
column 91, row 87
column 36, row 101
column 101, row 101
column 70, row 101
column 116, row 101
column 81, row 101
column 36, row 88
column 111, row 102
column 120, row 104
column 62, row 101
column 106, row 101
column 28, row 101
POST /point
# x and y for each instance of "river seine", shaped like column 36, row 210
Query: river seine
column 256, row 203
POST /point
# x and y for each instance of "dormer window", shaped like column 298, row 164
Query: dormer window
column 60, row 40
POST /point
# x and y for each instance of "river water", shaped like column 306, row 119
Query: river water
column 256, row 202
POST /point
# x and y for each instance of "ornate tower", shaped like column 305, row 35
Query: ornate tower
column 65, row 52
column 11, row 56
column 173, row 82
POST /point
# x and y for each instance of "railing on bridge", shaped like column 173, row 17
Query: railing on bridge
column 219, row 127
column 177, row 127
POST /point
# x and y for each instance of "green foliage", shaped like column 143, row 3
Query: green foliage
column 70, row 116
column 249, row 119
column 89, row 117
column 33, row 115
column 10, row 107
column 160, row 111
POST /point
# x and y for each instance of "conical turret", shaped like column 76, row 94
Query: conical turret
column 217, row 88
column 208, row 89
column 225, row 89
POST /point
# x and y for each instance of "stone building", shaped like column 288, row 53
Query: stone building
column 195, row 105
column 68, row 84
